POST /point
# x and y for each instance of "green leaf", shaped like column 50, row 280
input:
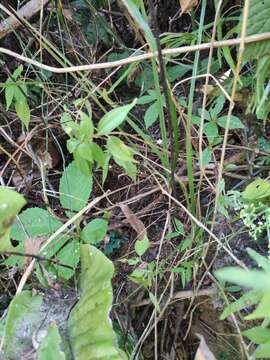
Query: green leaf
column 114, row 118
column 206, row 156
column 94, row 232
column 118, row 149
column 17, row 72
column 75, row 188
column 141, row 246
column 9, row 93
column 33, row 222
column 254, row 279
column 85, row 151
column 22, row 321
column 146, row 99
column 10, row 204
column 262, row 261
column 258, row 334
column 130, row 168
column 68, row 125
column 263, row 351
column 248, row 299
column 207, row 115
column 86, row 127
column 72, row 145
column 235, row 122
column 69, row 255
column 98, row 154
column 23, row 111
column 90, row 328
column 105, row 169
column 50, row 348
column 211, row 131
column 141, row 22
column 151, row 114
column 154, row 301
column 258, row 22
column 262, row 310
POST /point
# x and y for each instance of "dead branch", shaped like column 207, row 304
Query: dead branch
column 26, row 12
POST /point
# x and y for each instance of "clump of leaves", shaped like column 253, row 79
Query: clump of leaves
column 86, row 151
column 89, row 327
column 213, row 123
column 16, row 95
column 258, row 282
column 253, row 208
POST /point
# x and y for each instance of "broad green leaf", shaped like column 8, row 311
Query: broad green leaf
column 263, row 351
column 50, row 348
column 22, row 321
column 262, row 261
column 206, row 157
column 68, row 125
column 129, row 167
column 146, row 99
column 33, row 222
column 90, row 328
column 211, row 131
column 69, row 255
column 263, row 309
column 258, row 334
column 94, row 232
column 207, row 115
column 118, row 149
column 219, row 105
column 141, row 246
column 235, row 122
column 9, row 93
column 84, row 166
column 23, row 111
column 98, row 154
column 254, row 279
column 248, row 299
column 10, row 204
column 196, row 120
column 114, row 118
column 86, row 127
column 258, row 22
column 85, row 151
column 72, row 145
column 75, row 188
column 258, row 190
column 151, row 114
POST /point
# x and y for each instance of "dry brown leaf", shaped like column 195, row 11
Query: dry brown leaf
column 203, row 352
column 32, row 246
column 187, row 5
column 134, row 221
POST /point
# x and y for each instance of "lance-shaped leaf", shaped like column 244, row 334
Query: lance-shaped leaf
column 114, row 118
column 90, row 329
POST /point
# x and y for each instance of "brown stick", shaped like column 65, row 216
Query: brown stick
column 131, row 59
column 26, row 12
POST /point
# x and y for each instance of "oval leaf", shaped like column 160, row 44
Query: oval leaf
column 118, row 149
column 235, row 122
column 95, row 231
column 114, row 118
